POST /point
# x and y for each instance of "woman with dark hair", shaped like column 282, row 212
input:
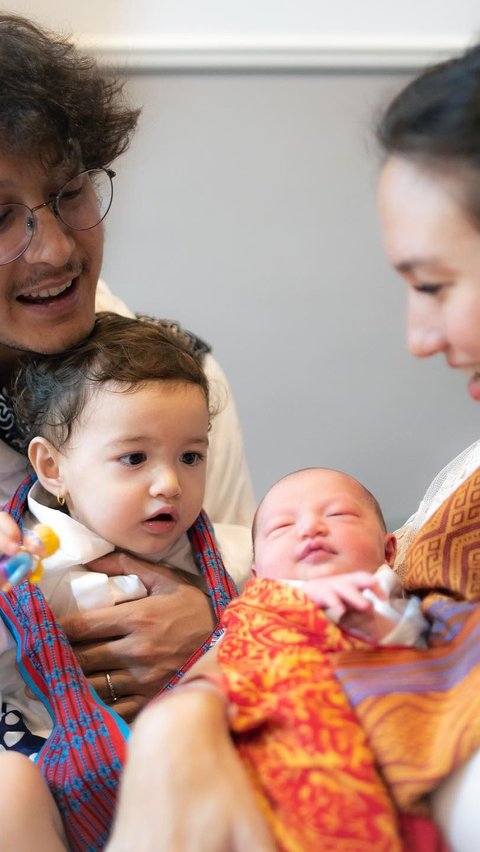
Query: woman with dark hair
column 197, row 797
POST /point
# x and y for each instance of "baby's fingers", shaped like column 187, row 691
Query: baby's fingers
column 361, row 579
column 10, row 536
column 324, row 593
column 352, row 597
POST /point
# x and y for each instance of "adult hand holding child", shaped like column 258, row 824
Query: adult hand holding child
column 140, row 643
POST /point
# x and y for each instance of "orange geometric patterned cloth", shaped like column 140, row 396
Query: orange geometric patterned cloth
column 307, row 756
column 445, row 554
column 420, row 708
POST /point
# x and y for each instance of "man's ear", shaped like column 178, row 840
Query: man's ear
column 390, row 545
column 44, row 458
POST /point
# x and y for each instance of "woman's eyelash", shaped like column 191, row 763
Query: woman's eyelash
column 429, row 289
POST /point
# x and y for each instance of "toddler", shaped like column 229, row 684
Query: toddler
column 117, row 433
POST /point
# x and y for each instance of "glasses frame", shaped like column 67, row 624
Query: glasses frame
column 53, row 204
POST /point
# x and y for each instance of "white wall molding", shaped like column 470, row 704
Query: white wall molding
column 144, row 54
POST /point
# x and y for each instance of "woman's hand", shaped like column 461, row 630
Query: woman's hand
column 184, row 788
column 142, row 643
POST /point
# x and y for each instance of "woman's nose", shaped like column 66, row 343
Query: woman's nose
column 53, row 243
column 425, row 336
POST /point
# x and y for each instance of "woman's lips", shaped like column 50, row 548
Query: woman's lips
column 474, row 386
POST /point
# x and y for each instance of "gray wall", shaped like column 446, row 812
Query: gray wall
column 246, row 209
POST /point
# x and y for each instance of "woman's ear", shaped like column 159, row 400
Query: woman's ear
column 44, row 458
column 390, row 545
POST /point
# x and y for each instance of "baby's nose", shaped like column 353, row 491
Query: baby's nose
column 312, row 524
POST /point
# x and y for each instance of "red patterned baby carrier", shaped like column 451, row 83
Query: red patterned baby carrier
column 83, row 756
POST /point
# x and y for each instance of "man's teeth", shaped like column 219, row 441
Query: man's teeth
column 52, row 291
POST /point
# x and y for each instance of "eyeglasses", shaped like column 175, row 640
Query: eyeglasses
column 80, row 204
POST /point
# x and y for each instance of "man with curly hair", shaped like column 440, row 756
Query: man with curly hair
column 62, row 124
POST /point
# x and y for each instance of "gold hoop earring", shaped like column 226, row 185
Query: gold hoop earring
column 60, row 499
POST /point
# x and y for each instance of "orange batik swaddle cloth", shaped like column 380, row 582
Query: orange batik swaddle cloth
column 420, row 708
column 307, row 756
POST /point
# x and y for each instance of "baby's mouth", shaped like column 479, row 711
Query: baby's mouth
column 163, row 516
column 316, row 547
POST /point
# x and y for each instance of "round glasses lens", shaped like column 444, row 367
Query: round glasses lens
column 85, row 200
column 16, row 231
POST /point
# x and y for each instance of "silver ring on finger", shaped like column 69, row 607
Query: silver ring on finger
column 110, row 687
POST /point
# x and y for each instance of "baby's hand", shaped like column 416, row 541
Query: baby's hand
column 343, row 592
column 10, row 536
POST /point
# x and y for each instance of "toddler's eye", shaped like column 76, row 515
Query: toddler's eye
column 132, row 459
column 191, row 458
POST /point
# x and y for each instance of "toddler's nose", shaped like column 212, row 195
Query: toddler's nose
column 166, row 484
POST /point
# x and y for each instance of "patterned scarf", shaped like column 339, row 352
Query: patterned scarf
column 83, row 756
column 308, row 758
column 306, row 755
column 421, row 707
